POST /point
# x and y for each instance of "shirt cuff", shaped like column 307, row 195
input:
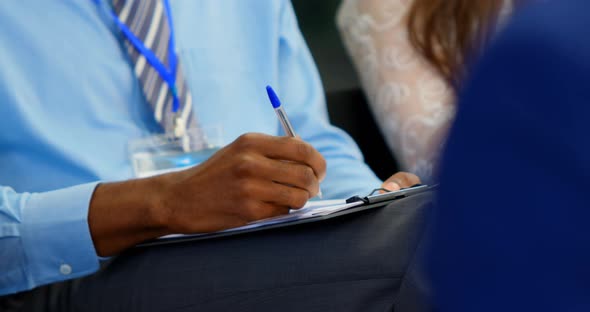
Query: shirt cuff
column 56, row 236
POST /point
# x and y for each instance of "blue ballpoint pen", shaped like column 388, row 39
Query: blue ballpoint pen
column 276, row 104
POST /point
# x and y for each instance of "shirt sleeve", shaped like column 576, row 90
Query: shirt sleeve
column 300, row 87
column 412, row 103
column 44, row 237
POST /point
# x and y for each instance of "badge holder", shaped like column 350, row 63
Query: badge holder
column 159, row 154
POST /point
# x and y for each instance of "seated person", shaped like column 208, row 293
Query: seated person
column 515, row 238
column 80, row 80
column 411, row 61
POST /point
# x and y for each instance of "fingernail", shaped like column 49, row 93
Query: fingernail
column 392, row 186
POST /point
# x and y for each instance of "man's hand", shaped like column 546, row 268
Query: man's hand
column 400, row 180
column 256, row 177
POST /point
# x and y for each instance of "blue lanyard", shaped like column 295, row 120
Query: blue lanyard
column 168, row 75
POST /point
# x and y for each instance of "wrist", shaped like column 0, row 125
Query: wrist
column 123, row 214
column 153, row 198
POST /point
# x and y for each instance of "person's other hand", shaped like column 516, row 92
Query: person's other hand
column 400, row 180
column 256, row 177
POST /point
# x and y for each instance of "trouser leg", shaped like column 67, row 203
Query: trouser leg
column 49, row 298
column 350, row 263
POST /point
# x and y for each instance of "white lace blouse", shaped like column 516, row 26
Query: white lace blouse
column 412, row 103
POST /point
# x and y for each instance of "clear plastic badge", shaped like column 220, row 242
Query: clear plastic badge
column 158, row 154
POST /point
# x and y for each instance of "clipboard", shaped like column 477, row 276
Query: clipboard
column 357, row 204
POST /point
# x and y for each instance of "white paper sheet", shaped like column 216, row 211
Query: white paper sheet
column 310, row 210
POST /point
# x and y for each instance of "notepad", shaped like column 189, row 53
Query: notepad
column 311, row 209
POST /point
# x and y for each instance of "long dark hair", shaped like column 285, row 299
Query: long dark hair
column 449, row 32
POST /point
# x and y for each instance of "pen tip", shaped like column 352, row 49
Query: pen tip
column 274, row 99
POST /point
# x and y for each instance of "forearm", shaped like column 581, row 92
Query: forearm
column 122, row 214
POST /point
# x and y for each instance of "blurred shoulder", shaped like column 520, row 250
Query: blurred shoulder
column 538, row 61
column 563, row 21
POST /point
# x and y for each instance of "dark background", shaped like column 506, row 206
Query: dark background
column 317, row 20
column 346, row 102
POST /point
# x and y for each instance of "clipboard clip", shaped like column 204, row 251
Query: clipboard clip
column 357, row 198
column 365, row 200
column 387, row 195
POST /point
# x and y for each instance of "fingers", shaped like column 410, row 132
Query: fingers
column 291, row 174
column 296, row 150
column 400, row 180
column 391, row 186
column 274, row 193
column 256, row 210
column 291, row 197
column 284, row 148
column 257, row 167
column 269, row 199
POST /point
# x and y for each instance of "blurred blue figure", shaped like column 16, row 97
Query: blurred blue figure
column 512, row 230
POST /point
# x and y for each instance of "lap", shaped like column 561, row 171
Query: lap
column 351, row 263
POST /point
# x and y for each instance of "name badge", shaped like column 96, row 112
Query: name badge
column 163, row 153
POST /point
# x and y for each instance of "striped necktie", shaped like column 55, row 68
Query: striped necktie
column 148, row 20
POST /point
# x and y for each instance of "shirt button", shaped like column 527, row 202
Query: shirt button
column 65, row 269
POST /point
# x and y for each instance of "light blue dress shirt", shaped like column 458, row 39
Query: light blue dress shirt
column 70, row 103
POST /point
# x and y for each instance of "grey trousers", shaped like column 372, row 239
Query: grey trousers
column 362, row 262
